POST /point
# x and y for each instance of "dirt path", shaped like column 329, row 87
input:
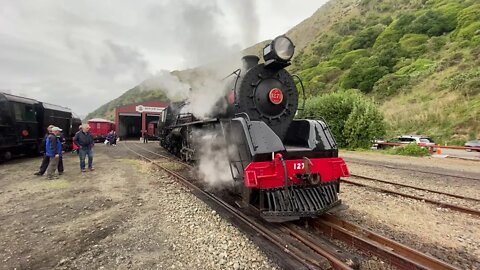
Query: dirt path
column 122, row 215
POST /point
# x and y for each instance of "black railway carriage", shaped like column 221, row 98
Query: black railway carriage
column 23, row 123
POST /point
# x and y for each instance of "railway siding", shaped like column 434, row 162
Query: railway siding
column 445, row 233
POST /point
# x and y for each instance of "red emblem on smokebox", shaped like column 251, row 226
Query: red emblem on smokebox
column 276, row 96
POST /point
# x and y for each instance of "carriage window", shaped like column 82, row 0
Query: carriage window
column 24, row 112
column 98, row 125
column 4, row 113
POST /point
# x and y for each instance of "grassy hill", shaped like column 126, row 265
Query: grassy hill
column 419, row 59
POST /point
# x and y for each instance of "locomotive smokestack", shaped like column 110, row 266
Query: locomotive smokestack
column 249, row 61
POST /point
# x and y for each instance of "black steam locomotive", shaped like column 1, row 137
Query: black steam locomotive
column 24, row 121
column 288, row 168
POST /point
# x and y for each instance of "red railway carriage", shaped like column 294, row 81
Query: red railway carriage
column 152, row 130
column 100, row 128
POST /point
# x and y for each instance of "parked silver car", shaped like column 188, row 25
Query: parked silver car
column 473, row 143
column 420, row 140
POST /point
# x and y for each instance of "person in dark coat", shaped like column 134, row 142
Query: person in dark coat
column 145, row 136
column 108, row 139
column 113, row 138
column 84, row 140
column 53, row 149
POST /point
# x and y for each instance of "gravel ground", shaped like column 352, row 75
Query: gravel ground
column 446, row 234
column 122, row 216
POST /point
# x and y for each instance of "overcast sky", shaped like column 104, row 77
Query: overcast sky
column 82, row 54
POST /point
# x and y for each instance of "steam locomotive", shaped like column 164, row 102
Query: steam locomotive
column 24, row 121
column 288, row 168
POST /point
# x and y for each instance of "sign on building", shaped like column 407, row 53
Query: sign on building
column 141, row 109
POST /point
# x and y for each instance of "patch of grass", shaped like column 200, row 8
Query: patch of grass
column 409, row 150
column 136, row 164
column 173, row 166
column 57, row 184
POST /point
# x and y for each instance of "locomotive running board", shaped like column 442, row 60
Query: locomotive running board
column 297, row 202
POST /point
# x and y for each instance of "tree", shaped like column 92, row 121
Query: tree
column 366, row 38
column 353, row 118
column 433, row 23
column 363, row 74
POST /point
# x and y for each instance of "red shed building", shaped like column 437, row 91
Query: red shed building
column 133, row 118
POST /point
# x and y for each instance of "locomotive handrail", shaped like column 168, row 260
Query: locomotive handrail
column 247, row 117
column 303, row 91
column 334, row 145
column 239, row 71
column 235, row 86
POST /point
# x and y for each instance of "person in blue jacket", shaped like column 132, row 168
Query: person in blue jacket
column 53, row 150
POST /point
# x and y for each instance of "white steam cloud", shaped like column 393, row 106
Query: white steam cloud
column 199, row 25
column 206, row 44
column 213, row 166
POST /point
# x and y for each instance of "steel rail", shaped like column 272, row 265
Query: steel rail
column 304, row 259
column 441, row 204
column 336, row 263
column 414, row 187
column 392, row 252
column 349, row 160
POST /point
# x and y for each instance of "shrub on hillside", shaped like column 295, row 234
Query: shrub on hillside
column 390, row 84
column 354, row 119
column 414, row 44
column 409, row 150
column 433, row 23
column 363, row 74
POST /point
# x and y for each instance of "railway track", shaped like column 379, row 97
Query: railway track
column 441, row 204
column 296, row 255
column 350, row 160
column 415, row 187
column 392, row 252
column 303, row 250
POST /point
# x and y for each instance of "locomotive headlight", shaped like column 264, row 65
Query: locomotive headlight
column 279, row 52
column 283, row 47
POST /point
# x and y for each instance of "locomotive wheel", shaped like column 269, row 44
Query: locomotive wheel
column 6, row 156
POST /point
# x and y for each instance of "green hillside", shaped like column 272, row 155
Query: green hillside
column 418, row 59
column 133, row 95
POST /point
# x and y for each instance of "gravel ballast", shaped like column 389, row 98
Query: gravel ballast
column 446, row 234
column 124, row 215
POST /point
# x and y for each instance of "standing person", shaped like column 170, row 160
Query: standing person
column 84, row 140
column 53, row 149
column 145, row 136
column 75, row 146
column 60, row 159
column 46, row 159
column 113, row 140
column 108, row 139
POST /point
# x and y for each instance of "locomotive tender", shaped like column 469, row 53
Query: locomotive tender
column 24, row 121
column 288, row 168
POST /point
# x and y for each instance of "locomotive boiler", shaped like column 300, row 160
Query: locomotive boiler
column 288, row 168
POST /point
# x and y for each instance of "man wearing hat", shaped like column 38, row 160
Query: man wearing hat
column 84, row 140
column 53, row 149
column 46, row 159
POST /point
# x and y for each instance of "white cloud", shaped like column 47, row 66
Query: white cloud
column 82, row 54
